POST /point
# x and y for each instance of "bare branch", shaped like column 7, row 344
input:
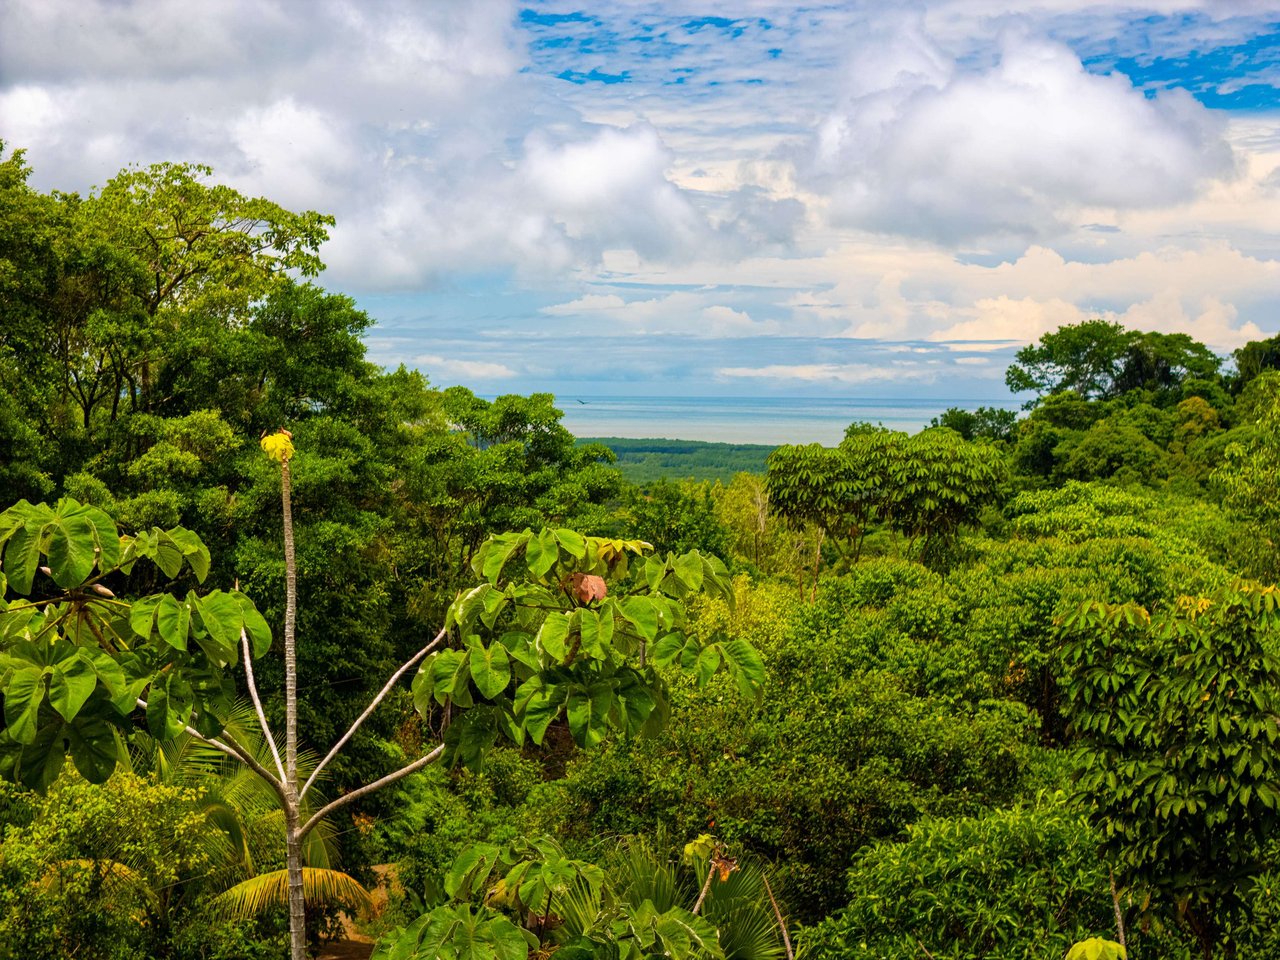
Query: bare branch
column 234, row 750
column 368, row 788
column 373, row 705
column 257, row 704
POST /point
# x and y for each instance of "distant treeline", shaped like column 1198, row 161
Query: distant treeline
column 645, row 461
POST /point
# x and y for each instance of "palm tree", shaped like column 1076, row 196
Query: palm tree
column 246, row 823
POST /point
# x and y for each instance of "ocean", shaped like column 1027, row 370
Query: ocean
column 769, row 420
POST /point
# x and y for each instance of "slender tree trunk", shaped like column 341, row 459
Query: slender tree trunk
column 297, row 899
column 293, row 840
column 1115, row 903
column 706, row 887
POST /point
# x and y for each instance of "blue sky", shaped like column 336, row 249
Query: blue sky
column 835, row 199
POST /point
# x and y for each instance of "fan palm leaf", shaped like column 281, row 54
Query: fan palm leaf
column 320, row 887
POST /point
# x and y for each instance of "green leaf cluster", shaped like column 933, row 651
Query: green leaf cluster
column 75, row 659
column 577, row 627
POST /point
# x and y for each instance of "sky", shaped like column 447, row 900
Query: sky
column 676, row 198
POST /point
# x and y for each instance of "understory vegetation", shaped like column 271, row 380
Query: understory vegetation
column 1006, row 687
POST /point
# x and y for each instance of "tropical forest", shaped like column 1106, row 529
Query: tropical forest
column 303, row 656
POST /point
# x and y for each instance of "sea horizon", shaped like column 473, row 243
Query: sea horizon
column 762, row 420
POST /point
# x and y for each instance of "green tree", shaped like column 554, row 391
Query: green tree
column 1174, row 713
column 1249, row 475
column 1100, row 359
column 1083, row 357
column 74, row 668
column 1018, row 883
column 985, row 423
column 103, row 285
column 929, row 485
column 823, row 493
column 1255, row 358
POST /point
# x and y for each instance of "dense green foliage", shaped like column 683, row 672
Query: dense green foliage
column 1022, row 663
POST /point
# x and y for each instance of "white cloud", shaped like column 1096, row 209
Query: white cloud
column 924, row 147
column 682, row 313
column 1025, row 320
column 832, row 373
column 589, row 304
column 1003, row 318
column 612, row 188
column 826, row 174
column 443, row 369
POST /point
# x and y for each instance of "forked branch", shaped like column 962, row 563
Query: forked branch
column 373, row 705
column 368, row 788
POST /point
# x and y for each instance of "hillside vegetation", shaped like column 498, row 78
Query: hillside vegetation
column 1004, row 688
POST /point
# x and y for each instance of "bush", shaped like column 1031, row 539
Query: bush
column 1019, row 883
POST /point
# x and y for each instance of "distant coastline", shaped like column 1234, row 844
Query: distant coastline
column 763, row 421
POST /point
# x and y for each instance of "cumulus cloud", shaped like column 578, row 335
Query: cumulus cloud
column 1211, row 321
column 926, row 146
column 741, row 196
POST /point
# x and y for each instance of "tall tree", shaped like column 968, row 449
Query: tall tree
column 1174, row 712
column 1100, row 359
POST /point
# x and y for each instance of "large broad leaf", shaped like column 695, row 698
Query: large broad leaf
column 106, row 537
column 519, row 646
column 422, row 689
column 587, row 710
column 193, row 550
column 668, row 649
column 688, row 569
column 255, row 626
column 138, row 674
column 93, row 746
column 22, row 698
column 39, row 762
column 142, row 616
column 745, row 664
column 537, row 705
column 597, row 632
column 542, row 553
column 469, row 873
column 21, row 557
column 706, row 665
column 685, row 935
column 72, row 550
column 552, row 636
column 108, row 672
column 167, row 554
column 635, row 702
column 490, row 667
column 640, row 611
column 173, row 620
column 222, row 619
column 450, row 676
column 499, row 553
column 71, row 683
column 471, row 736
column 655, row 571
column 572, row 541
column 169, row 705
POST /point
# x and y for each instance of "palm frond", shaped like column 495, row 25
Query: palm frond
column 641, row 874
column 319, row 888
column 748, row 931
